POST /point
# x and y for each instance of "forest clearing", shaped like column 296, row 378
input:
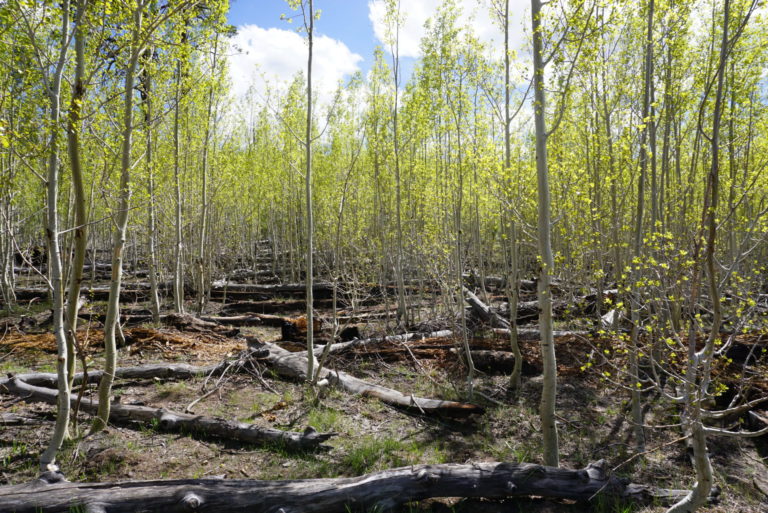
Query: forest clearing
column 513, row 262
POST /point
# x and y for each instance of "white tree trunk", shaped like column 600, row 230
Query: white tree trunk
column 121, row 224
column 61, row 430
column 549, row 387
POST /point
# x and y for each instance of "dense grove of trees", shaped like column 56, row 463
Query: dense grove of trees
column 625, row 148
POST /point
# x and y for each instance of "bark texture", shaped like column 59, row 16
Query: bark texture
column 294, row 365
column 169, row 420
column 379, row 491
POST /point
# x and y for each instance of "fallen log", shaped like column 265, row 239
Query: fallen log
column 271, row 306
column 235, row 320
column 13, row 419
column 535, row 334
column 320, row 290
column 484, row 311
column 151, row 371
column 169, row 420
column 528, row 311
column 379, row 491
column 378, row 341
column 248, row 319
column 487, row 360
column 294, row 365
column 132, row 292
column 295, row 329
column 186, row 322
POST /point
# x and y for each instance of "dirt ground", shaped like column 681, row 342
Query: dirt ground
column 371, row 436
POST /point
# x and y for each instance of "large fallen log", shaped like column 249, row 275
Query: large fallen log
column 270, row 306
column 235, row 320
column 131, row 292
column 186, row 322
column 150, row 371
column 295, row 329
column 247, row 319
column 169, row 420
column 369, row 343
column 320, row 290
column 535, row 334
column 528, row 311
column 294, row 365
column 380, row 491
column 487, row 360
column 484, row 311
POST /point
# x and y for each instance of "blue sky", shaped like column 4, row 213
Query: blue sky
column 343, row 20
column 270, row 51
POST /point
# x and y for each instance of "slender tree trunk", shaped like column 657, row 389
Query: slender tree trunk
column 308, row 190
column 121, row 225
column 459, row 272
column 637, row 415
column 154, row 300
column 7, row 276
column 666, row 154
column 395, row 49
column 201, row 250
column 615, row 214
column 61, row 429
column 695, row 393
column 513, row 289
column 178, row 275
column 81, row 217
column 6, row 211
column 549, row 388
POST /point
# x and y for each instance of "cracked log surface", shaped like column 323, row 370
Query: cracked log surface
column 383, row 490
column 380, row 341
column 294, row 365
column 150, row 371
column 169, row 420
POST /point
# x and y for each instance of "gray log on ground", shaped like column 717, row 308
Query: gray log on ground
column 368, row 343
column 321, row 290
column 380, row 491
column 294, row 365
column 267, row 306
column 484, row 312
column 169, row 420
column 236, row 320
column 535, row 334
column 149, row 371
column 488, row 361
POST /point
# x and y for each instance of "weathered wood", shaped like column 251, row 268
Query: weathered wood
column 295, row 329
column 487, row 360
column 378, row 341
column 321, row 290
column 13, row 419
column 380, row 491
column 528, row 311
column 132, row 292
column 186, row 322
column 235, row 320
column 268, row 306
column 169, row 420
column 294, row 365
column 150, row 371
column 535, row 334
column 484, row 312
column 248, row 318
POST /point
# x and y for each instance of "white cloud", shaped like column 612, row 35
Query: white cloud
column 274, row 56
column 477, row 14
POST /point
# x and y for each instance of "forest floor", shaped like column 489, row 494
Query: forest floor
column 371, row 435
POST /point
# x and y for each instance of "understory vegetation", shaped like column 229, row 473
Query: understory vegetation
column 553, row 254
